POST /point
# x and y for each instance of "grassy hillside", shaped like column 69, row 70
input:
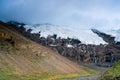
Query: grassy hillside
column 113, row 73
column 30, row 61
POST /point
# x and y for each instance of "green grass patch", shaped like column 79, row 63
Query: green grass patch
column 113, row 73
column 43, row 76
column 6, row 76
column 9, row 75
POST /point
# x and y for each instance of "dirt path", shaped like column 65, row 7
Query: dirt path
column 87, row 78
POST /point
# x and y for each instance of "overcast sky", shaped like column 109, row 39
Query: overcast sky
column 103, row 14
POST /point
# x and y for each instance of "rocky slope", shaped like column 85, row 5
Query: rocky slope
column 27, row 60
column 107, row 38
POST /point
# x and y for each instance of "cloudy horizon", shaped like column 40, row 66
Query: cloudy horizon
column 101, row 14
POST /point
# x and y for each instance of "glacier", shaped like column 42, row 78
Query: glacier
column 86, row 36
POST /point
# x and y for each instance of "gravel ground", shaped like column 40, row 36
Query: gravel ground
column 87, row 78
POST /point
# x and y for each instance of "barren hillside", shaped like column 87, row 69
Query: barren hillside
column 27, row 60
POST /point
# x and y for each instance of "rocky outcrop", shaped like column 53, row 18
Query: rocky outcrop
column 107, row 38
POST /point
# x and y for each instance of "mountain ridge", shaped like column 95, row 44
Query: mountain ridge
column 86, row 36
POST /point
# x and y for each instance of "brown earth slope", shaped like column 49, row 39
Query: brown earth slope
column 27, row 60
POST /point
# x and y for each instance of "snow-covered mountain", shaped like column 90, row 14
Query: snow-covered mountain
column 84, row 35
column 87, row 36
column 114, row 32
